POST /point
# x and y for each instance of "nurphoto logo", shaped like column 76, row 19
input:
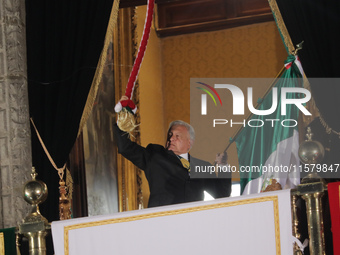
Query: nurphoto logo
column 238, row 99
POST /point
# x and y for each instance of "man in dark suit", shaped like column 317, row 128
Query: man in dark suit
column 169, row 179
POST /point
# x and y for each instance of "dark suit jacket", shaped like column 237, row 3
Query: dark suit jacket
column 169, row 181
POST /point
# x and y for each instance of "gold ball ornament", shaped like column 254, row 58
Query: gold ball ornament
column 35, row 191
column 311, row 152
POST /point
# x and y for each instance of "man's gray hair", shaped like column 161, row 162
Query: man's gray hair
column 186, row 125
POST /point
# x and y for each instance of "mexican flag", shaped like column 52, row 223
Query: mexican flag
column 269, row 154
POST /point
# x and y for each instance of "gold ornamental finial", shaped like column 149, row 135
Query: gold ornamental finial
column 309, row 134
column 34, row 173
column 298, row 47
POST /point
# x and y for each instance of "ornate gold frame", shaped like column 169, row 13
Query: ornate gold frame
column 124, row 41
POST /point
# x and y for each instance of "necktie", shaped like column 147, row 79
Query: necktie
column 185, row 163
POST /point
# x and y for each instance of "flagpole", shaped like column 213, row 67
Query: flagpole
column 238, row 131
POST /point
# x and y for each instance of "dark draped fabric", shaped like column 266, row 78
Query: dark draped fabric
column 64, row 42
column 317, row 23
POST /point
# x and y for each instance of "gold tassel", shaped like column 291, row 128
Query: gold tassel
column 126, row 121
column 69, row 184
column 64, row 202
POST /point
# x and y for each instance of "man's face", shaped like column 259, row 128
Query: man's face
column 179, row 141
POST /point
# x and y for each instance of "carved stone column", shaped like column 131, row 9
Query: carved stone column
column 15, row 135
